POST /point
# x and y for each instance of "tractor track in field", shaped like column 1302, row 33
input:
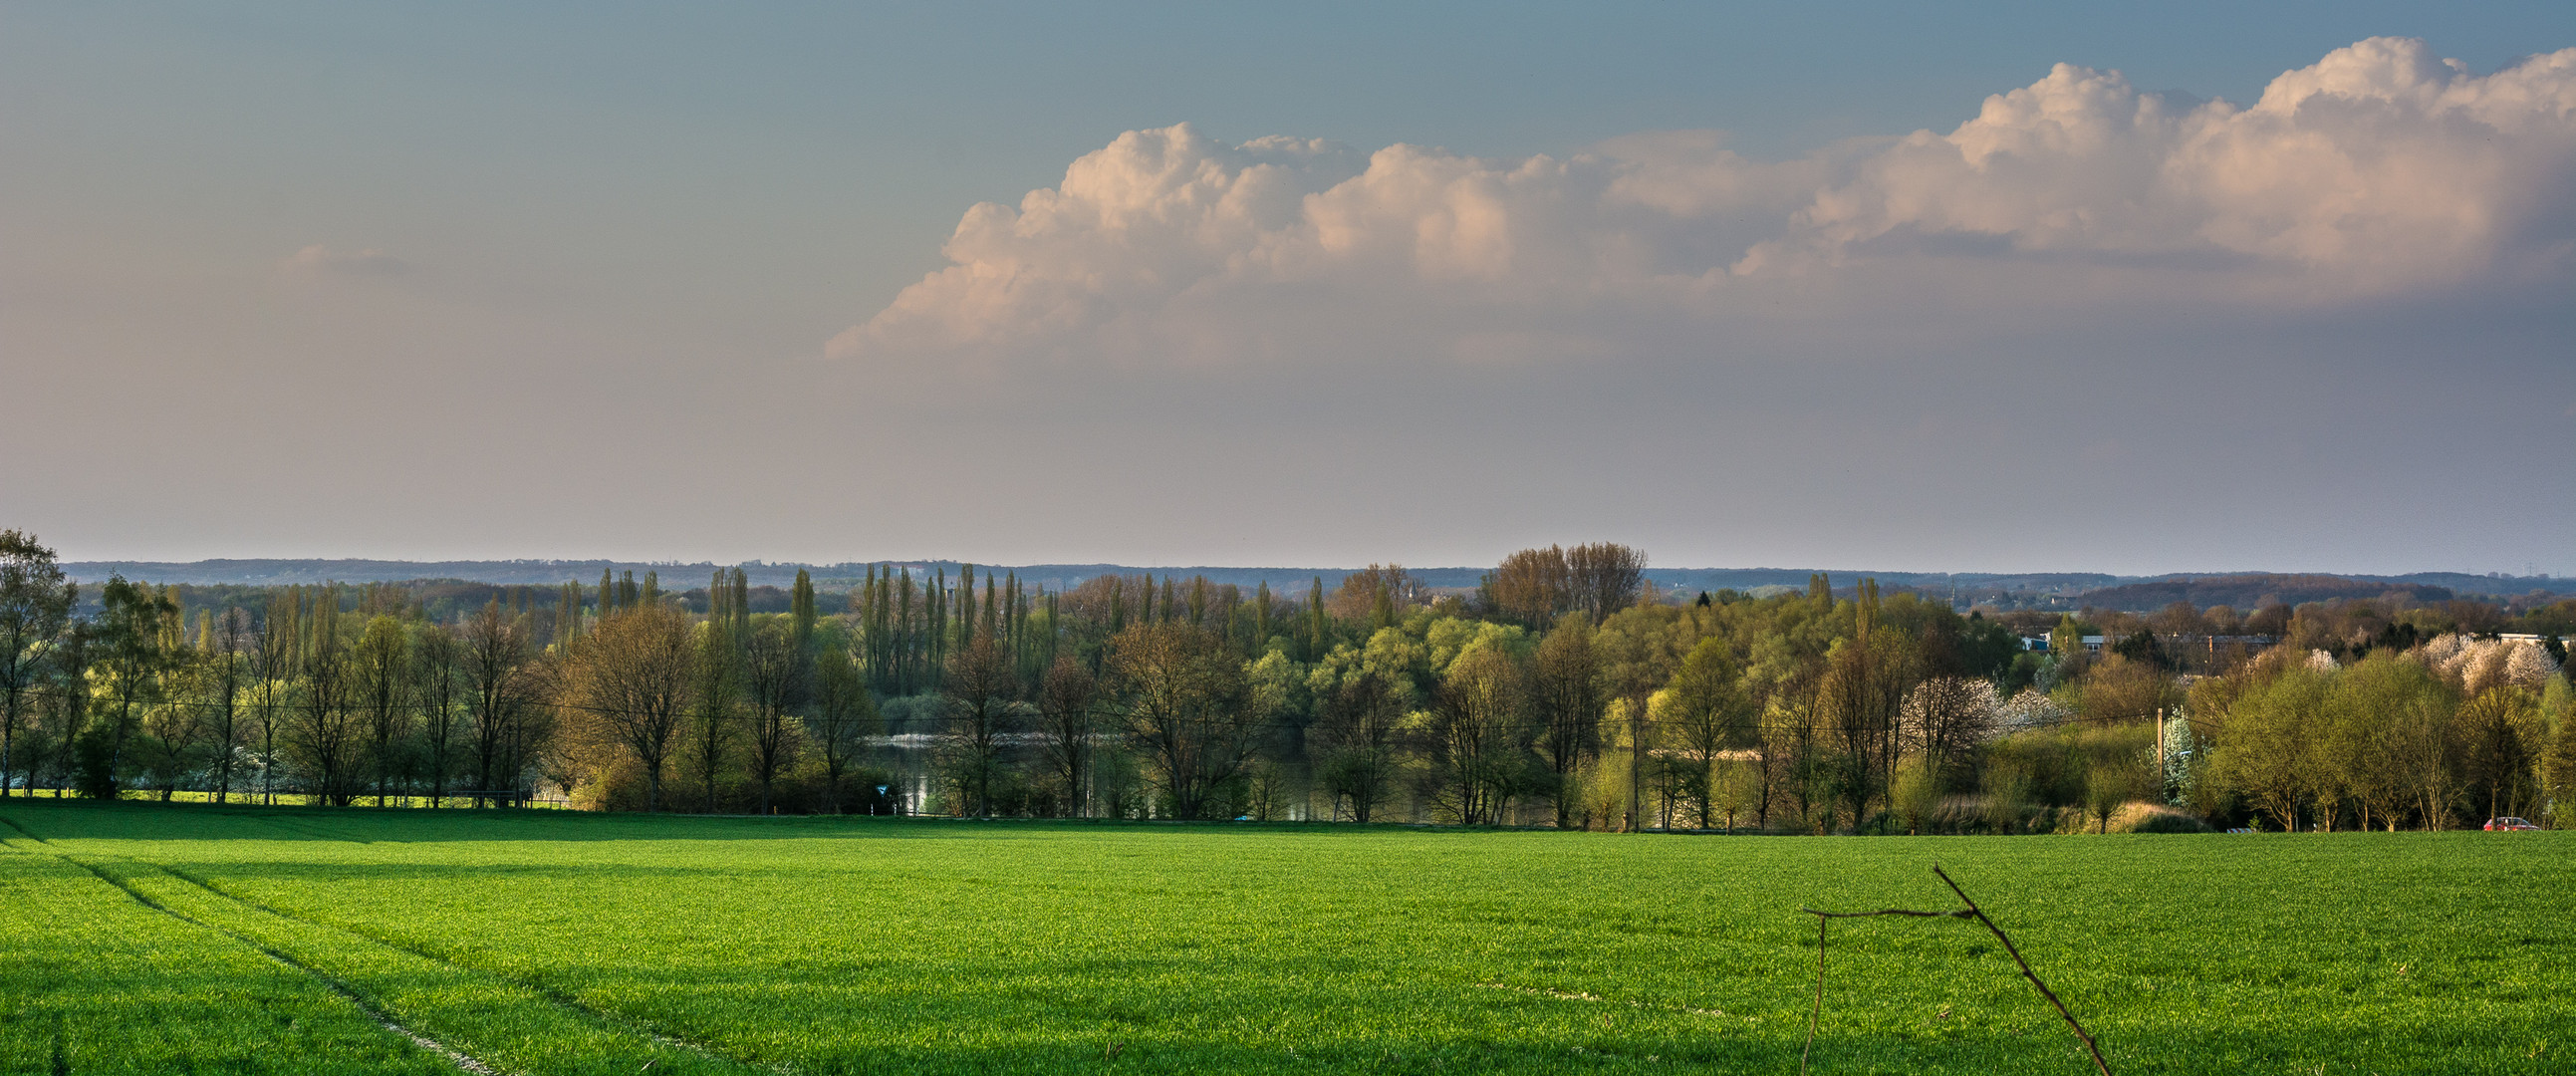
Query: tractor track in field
column 464, row 1062
column 557, row 997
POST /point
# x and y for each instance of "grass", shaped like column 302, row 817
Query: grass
column 552, row 942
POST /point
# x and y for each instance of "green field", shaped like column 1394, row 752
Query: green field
column 139, row 937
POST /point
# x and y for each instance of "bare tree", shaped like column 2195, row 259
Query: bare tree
column 718, row 672
column 1186, row 708
column 1356, row 738
column 500, row 696
column 1533, row 586
column 178, row 721
column 843, row 717
column 227, row 664
column 1378, row 591
column 272, row 670
column 1067, row 723
column 1862, row 692
column 1605, row 577
column 1567, row 692
column 977, row 692
column 325, row 732
column 437, row 661
column 635, row 676
column 382, row 673
column 1945, row 719
column 773, row 677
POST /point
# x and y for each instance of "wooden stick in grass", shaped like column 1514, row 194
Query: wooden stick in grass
column 1816, row 1015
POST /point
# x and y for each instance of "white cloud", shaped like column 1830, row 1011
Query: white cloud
column 2380, row 170
column 369, row 262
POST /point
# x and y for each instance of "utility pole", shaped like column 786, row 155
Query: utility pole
column 1637, row 766
column 2160, row 753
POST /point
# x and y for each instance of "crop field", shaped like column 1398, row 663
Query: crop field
column 144, row 938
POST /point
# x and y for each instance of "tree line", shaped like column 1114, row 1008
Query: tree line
column 1563, row 692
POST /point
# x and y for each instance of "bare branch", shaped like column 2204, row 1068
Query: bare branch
column 2026, row 973
column 1816, row 1016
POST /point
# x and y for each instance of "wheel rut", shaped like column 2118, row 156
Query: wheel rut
column 554, row 995
column 572, row 1008
column 464, row 1062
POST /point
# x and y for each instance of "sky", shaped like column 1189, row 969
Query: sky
column 2135, row 288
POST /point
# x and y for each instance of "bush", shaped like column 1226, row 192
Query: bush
column 2143, row 817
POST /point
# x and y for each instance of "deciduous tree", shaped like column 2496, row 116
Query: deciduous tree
column 978, row 693
column 1184, row 699
column 35, row 610
column 1068, row 723
column 773, row 680
column 635, row 676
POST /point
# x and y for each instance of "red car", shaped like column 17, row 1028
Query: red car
column 2508, row 822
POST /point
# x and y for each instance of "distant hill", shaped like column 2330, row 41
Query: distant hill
column 2244, row 590
column 680, row 576
column 2252, row 590
column 2499, row 584
column 675, row 575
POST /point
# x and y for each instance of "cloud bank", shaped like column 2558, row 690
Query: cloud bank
column 2382, row 172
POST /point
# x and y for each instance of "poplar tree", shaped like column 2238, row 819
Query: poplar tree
column 991, row 621
column 568, row 616
column 936, row 632
column 1317, row 633
column 1055, row 631
column 801, row 610
column 740, row 607
column 903, row 627
column 885, row 627
column 1012, row 636
column 863, row 618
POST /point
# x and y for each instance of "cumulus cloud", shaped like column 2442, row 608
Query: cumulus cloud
column 366, row 263
column 2380, row 167
column 2380, row 170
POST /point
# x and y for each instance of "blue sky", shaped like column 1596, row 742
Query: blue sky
column 577, row 267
